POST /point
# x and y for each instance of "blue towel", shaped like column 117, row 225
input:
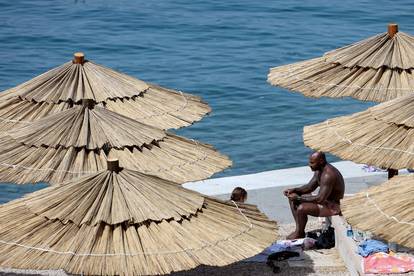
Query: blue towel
column 368, row 247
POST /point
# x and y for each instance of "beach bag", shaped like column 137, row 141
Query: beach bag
column 326, row 239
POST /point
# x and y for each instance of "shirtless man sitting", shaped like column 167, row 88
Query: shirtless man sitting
column 326, row 203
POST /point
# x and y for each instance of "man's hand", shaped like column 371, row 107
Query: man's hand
column 287, row 192
column 293, row 196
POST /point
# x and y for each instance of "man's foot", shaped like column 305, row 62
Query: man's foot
column 295, row 235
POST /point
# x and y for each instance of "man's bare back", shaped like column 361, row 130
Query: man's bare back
column 336, row 181
column 326, row 203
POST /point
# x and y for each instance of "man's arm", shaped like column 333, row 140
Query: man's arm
column 326, row 185
column 308, row 188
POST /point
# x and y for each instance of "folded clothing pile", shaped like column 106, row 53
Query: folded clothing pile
column 284, row 248
column 369, row 247
column 379, row 260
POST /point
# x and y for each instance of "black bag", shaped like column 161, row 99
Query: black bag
column 326, row 239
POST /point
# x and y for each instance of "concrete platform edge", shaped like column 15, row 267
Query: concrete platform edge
column 346, row 247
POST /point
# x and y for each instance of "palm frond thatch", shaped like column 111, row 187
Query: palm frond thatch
column 385, row 210
column 378, row 51
column 67, row 85
column 382, row 135
column 174, row 158
column 84, row 127
column 376, row 69
column 215, row 233
column 114, row 198
column 17, row 113
column 74, row 82
column 399, row 111
column 74, row 142
column 161, row 107
column 20, row 164
column 318, row 78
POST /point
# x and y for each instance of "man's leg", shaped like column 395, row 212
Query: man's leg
column 293, row 209
column 302, row 212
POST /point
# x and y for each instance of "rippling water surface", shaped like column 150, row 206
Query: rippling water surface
column 219, row 50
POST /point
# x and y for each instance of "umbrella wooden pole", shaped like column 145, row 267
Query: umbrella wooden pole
column 78, row 58
column 113, row 165
column 392, row 173
column 392, row 29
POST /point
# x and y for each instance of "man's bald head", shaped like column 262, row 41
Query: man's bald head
column 318, row 155
column 317, row 160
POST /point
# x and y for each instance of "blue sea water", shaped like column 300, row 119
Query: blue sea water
column 219, row 50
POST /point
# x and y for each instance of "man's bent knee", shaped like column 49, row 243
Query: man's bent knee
column 301, row 208
column 308, row 209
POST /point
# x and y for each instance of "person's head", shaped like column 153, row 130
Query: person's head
column 239, row 195
column 317, row 160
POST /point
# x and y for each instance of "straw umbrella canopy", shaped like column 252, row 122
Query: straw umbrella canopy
column 385, row 210
column 382, row 135
column 376, row 69
column 122, row 222
column 78, row 141
column 67, row 85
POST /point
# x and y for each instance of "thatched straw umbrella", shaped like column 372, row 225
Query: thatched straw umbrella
column 382, row 135
column 385, row 210
column 376, row 69
column 122, row 222
column 77, row 141
column 67, row 85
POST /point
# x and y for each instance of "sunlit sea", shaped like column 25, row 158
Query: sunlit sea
column 219, row 50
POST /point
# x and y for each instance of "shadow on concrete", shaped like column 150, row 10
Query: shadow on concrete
column 249, row 268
